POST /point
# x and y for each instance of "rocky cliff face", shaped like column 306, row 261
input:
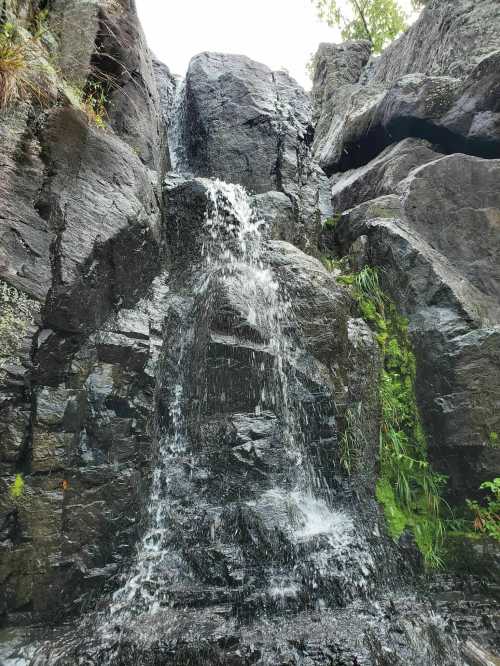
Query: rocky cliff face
column 179, row 371
column 425, row 209
column 80, row 247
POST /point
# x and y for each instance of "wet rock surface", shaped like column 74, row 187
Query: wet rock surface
column 79, row 248
column 177, row 375
column 248, row 125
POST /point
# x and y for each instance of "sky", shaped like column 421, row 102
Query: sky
column 283, row 34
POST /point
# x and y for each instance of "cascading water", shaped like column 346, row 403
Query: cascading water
column 288, row 509
column 249, row 546
column 255, row 548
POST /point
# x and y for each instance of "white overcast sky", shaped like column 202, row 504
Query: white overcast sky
column 279, row 33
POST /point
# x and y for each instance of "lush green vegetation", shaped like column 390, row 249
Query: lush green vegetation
column 17, row 487
column 408, row 489
column 378, row 21
column 487, row 516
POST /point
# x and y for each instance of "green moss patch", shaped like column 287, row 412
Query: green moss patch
column 407, row 488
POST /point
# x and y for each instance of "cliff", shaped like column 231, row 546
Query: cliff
column 195, row 464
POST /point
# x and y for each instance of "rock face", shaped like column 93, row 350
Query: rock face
column 430, row 250
column 79, row 249
column 429, row 222
column 248, row 125
column 189, row 399
column 446, row 92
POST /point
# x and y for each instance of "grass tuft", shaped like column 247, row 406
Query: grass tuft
column 12, row 65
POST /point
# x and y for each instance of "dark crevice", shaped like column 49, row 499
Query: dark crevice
column 359, row 153
column 280, row 140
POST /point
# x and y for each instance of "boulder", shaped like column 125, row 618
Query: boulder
column 442, row 42
column 446, row 92
column 456, row 115
column 246, row 124
column 381, row 175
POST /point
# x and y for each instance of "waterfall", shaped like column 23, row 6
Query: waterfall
column 289, row 511
column 251, row 534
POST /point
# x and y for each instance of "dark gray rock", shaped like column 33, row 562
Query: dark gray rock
column 459, row 116
column 380, row 176
column 79, row 242
column 90, row 444
column 96, row 215
column 446, row 91
column 437, row 245
column 103, row 43
column 335, row 66
column 166, row 84
column 246, row 124
column 442, row 42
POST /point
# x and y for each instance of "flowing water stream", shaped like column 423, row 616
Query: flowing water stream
column 288, row 509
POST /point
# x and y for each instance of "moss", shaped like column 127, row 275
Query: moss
column 493, row 439
column 407, row 488
column 396, row 518
column 17, row 487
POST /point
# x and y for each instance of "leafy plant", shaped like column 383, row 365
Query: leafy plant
column 39, row 24
column 408, row 489
column 17, row 487
column 378, row 21
column 353, row 439
column 92, row 101
column 487, row 518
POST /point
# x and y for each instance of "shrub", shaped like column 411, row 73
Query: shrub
column 487, row 517
column 12, row 65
